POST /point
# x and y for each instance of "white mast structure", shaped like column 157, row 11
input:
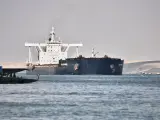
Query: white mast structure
column 51, row 51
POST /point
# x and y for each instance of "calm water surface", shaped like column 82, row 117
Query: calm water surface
column 127, row 97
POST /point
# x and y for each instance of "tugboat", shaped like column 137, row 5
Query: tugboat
column 53, row 60
column 8, row 76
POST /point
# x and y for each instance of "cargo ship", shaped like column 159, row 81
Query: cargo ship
column 53, row 60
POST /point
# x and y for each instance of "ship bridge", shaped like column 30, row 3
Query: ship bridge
column 51, row 51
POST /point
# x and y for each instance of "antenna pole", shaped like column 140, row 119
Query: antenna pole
column 77, row 51
column 93, row 52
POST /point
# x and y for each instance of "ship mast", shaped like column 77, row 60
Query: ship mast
column 52, row 33
column 94, row 54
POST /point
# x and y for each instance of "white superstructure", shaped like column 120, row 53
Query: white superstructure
column 51, row 51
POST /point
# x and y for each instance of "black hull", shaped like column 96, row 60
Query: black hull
column 82, row 66
column 11, row 80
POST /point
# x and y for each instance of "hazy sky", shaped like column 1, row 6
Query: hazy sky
column 129, row 29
